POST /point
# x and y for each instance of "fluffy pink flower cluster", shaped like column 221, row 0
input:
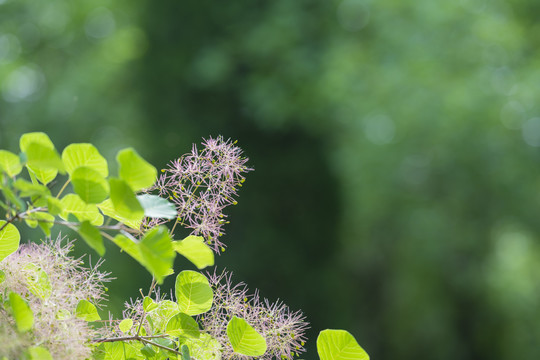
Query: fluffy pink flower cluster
column 52, row 283
column 202, row 184
column 283, row 329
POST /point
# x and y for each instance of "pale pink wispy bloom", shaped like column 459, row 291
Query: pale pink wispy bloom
column 283, row 329
column 202, row 184
column 56, row 326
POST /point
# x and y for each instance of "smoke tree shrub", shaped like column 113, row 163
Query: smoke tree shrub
column 49, row 300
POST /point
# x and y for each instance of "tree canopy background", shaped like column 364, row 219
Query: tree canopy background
column 395, row 146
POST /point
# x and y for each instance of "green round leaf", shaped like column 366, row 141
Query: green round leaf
column 107, row 208
column 24, row 318
column 77, row 155
column 125, row 325
column 10, row 163
column 124, row 200
column 39, row 353
column 195, row 250
column 9, row 239
column 203, row 348
column 73, row 204
column 339, row 345
column 160, row 315
column 244, row 339
column 92, row 236
column 182, row 325
column 193, row 292
column 157, row 252
column 136, row 171
column 149, row 304
column 87, row 311
column 89, row 185
column 41, row 156
column 157, row 207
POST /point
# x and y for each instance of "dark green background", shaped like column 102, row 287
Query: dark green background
column 395, row 146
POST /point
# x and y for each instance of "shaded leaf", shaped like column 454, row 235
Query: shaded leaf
column 92, row 237
column 157, row 207
column 90, row 185
column 182, row 325
column 124, row 200
column 157, row 252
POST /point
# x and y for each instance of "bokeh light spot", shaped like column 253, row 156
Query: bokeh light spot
column 22, row 83
column 531, row 132
column 100, row 24
column 353, row 15
column 10, row 48
column 379, row 129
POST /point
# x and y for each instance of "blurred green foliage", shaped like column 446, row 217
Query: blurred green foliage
column 396, row 147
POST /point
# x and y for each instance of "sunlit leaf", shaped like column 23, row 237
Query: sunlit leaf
column 37, row 280
column 136, row 171
column 182, row 325
column 160, row 315
column 244, row 339
column 2, row 276
column 90, row 185
column 87, row 311
column 9, row 239
column 24, row 318
column 195, row 250
column 339, row 345
column 107, row 208
column 203, row 348
column 73, row 204
column 44, row 175
column 149, row 304
column 193, row 292
column 125, row 325
column 42, row 157
column 157, row 207
column 27, row 189
column 39, row 353
column 92, row 237
column 157, row 252
column 10, row 163
column 83, row 154
column 124, row 200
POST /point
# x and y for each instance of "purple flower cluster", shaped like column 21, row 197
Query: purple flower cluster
column 203, row 183
column 283, row 329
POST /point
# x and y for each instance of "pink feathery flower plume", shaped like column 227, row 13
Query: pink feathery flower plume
column 202, row 184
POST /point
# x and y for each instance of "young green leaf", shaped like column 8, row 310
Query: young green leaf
column 182, row 325
column 54, row 206
column 124, row 201
column 195, row 250
column 77, row 155
column 89, row 185
column 203, row 348
column 9, row 239
column 87, row 311
column 244, row 339
column 136, row 171
column 159, row 316
column 2, row 276
column 73, row 204
column 184, row 349
column 27, row 189
column 157, row 207
column 339, row 345
column 125, row 325
column 157, row 252
column 107, row 208
column 39, row 353
column 24, row 318
column 92, row 236
column 149, row 304
column 10, row 163
column 37, row 280
column 44, row 174
column 193, row 292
